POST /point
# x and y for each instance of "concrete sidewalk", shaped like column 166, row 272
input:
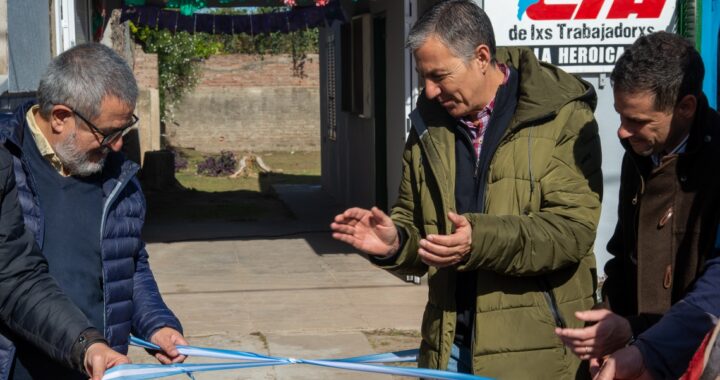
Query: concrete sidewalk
column 297, row 294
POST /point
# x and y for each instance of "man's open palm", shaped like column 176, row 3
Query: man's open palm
column 370, row 231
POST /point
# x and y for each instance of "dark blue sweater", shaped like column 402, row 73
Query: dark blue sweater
column 71, row 245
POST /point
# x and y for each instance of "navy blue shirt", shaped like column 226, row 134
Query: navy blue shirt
column 73, row 212
column 470, row 182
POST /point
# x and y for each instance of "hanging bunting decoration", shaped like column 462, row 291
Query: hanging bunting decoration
column 189, row 7
column 299, row 18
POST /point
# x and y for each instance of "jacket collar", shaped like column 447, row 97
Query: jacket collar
column 544, row 89
column 703, row 130
column 13, row 129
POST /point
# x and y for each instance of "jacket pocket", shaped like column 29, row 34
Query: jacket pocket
column 552, row 304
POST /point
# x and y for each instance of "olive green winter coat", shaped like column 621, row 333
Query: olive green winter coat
column 533, row 245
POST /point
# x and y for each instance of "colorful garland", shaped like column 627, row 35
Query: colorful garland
column 318, row 3
column 188, row 7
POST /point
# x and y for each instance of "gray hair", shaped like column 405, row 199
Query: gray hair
column 461, row 25
column 82, row 77
column 662, row 63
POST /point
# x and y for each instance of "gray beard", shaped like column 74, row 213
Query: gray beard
column 76, row 162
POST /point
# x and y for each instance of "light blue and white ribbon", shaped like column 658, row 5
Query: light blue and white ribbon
column 366, row 363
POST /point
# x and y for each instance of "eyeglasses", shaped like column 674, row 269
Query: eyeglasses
column 109, row 138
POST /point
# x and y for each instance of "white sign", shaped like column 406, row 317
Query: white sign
column 581, row 36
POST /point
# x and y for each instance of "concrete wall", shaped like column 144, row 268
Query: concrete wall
column 349, row 161
column 3, row 46
column 612, row 154
column 28, row 29
column 147, row 136
column 250, row 103
column 395, row 52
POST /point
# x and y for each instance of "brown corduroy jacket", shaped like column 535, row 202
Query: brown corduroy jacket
column 667, row 226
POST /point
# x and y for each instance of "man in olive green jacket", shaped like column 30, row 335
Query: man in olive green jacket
column 498, row 203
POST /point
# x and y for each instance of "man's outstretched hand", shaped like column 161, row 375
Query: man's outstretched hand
column 370, row 231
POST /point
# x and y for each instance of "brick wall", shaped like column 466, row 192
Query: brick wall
column 249, row 103
column 239, row 70
column 145, row 68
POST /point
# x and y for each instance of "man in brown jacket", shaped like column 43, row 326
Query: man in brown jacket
column 669, row 193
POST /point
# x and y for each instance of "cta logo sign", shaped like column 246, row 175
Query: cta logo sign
column 544, row 10
column 578, row 35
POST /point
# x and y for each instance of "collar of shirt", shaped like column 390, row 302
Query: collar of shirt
column 485, row 113
column 41, row 142
column 477, row 127
column 680, row 148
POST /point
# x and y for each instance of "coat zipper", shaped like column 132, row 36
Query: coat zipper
column 554, row 309
column 552, row 303
column 106, row 208
column 468, row 139
column 550, row 297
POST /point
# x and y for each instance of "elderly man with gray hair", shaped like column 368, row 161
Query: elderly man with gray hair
column 83, row 203
column 498, row 203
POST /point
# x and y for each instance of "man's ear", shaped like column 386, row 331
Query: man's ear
column 686, row 107
column 60, row 116
column 482, row 55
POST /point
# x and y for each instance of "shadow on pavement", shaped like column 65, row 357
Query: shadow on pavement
column 280, row 211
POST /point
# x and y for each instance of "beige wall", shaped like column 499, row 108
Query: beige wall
column 3, row 38
column 250, row 103
column 147, row 136
column 145, row 68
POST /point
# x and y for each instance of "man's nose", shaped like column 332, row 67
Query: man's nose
column 116, row 145
column 432, row 90
column 623, row 132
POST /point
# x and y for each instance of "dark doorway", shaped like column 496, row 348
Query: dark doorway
column 381, row 191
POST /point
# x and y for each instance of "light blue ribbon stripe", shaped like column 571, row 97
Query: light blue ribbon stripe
column 157, row 371
column 207, row 352
column 391, row 357
column 253, row 360
column 401, row 371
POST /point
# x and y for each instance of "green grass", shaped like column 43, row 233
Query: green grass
column 299, row 167
column 233, row 199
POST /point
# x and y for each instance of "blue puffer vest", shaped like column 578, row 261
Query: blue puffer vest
column 132, row 300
